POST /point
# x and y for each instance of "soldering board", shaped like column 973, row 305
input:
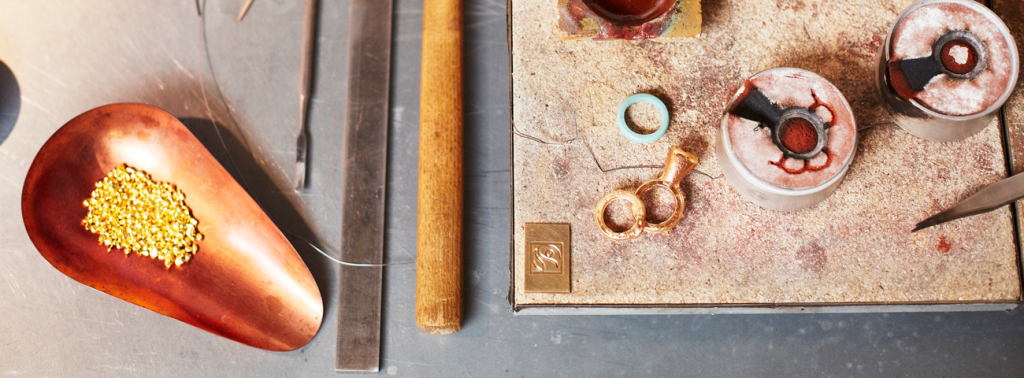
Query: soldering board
column 852, row 252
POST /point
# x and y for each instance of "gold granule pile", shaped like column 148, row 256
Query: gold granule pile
column 130, row 211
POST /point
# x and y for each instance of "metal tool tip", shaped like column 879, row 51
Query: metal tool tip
column 245, row 9
column 932, row 221
column 300, row 177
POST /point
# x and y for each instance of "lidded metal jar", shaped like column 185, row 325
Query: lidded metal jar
column 786, row 139
column 946, row 68
column 659, row 20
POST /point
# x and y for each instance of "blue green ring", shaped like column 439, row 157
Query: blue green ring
column 643, row 138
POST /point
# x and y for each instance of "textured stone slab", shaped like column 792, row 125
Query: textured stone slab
column 854, row 248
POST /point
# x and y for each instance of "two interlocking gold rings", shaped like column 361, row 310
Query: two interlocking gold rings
column 679, row 164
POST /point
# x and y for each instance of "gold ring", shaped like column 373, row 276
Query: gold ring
column 677, row 214
column 637, row 209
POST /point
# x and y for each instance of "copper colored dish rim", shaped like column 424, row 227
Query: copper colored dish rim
column 246, row 283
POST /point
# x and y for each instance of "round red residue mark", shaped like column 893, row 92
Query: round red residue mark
column 944, row 245
column 798, row 135
column 629, row 12
column 959, row 57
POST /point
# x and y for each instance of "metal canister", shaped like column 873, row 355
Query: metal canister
column 786, row 139
column 946, row 68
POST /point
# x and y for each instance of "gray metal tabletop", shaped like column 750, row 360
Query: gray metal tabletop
column 241, row 78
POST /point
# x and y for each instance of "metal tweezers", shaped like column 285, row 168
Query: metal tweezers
column 990, row 198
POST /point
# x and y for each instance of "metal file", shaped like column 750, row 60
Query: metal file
column 365, row 165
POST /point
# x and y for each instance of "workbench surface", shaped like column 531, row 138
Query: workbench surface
column 853, row 248
column 71, row 56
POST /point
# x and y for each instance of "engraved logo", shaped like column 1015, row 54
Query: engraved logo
column 546, row 258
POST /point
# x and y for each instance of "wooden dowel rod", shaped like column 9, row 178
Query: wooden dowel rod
column 439, row 220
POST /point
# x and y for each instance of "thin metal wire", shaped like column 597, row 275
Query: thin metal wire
column 345, row 263
column 245, row 141
column 586, row 147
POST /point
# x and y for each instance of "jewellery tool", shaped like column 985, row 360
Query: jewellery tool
column 305, row 91
column 364, row 167
column 990, row 198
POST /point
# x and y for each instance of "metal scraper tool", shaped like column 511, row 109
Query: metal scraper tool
column 992, row 197
column 305, row 91
column 362, row 220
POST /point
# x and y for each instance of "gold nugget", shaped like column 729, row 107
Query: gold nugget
column 130, row 211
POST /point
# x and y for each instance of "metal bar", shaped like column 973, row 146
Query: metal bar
column 362, row 222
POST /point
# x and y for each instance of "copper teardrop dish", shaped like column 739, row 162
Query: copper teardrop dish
column 245, row 282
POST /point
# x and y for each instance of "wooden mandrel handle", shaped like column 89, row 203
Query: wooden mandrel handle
column 439, row 218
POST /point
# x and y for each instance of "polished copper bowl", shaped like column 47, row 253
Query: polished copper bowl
column 246, row 282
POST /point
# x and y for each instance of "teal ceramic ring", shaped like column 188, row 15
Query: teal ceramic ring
column 634, row 136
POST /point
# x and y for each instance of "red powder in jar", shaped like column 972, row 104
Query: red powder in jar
column 629, row 12
column 961, row 60
column 798, row 135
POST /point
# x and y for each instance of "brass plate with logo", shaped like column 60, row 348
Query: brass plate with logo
column 548, row 258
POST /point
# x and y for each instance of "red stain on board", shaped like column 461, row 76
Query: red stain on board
column 944, row 245
column 812, row 257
